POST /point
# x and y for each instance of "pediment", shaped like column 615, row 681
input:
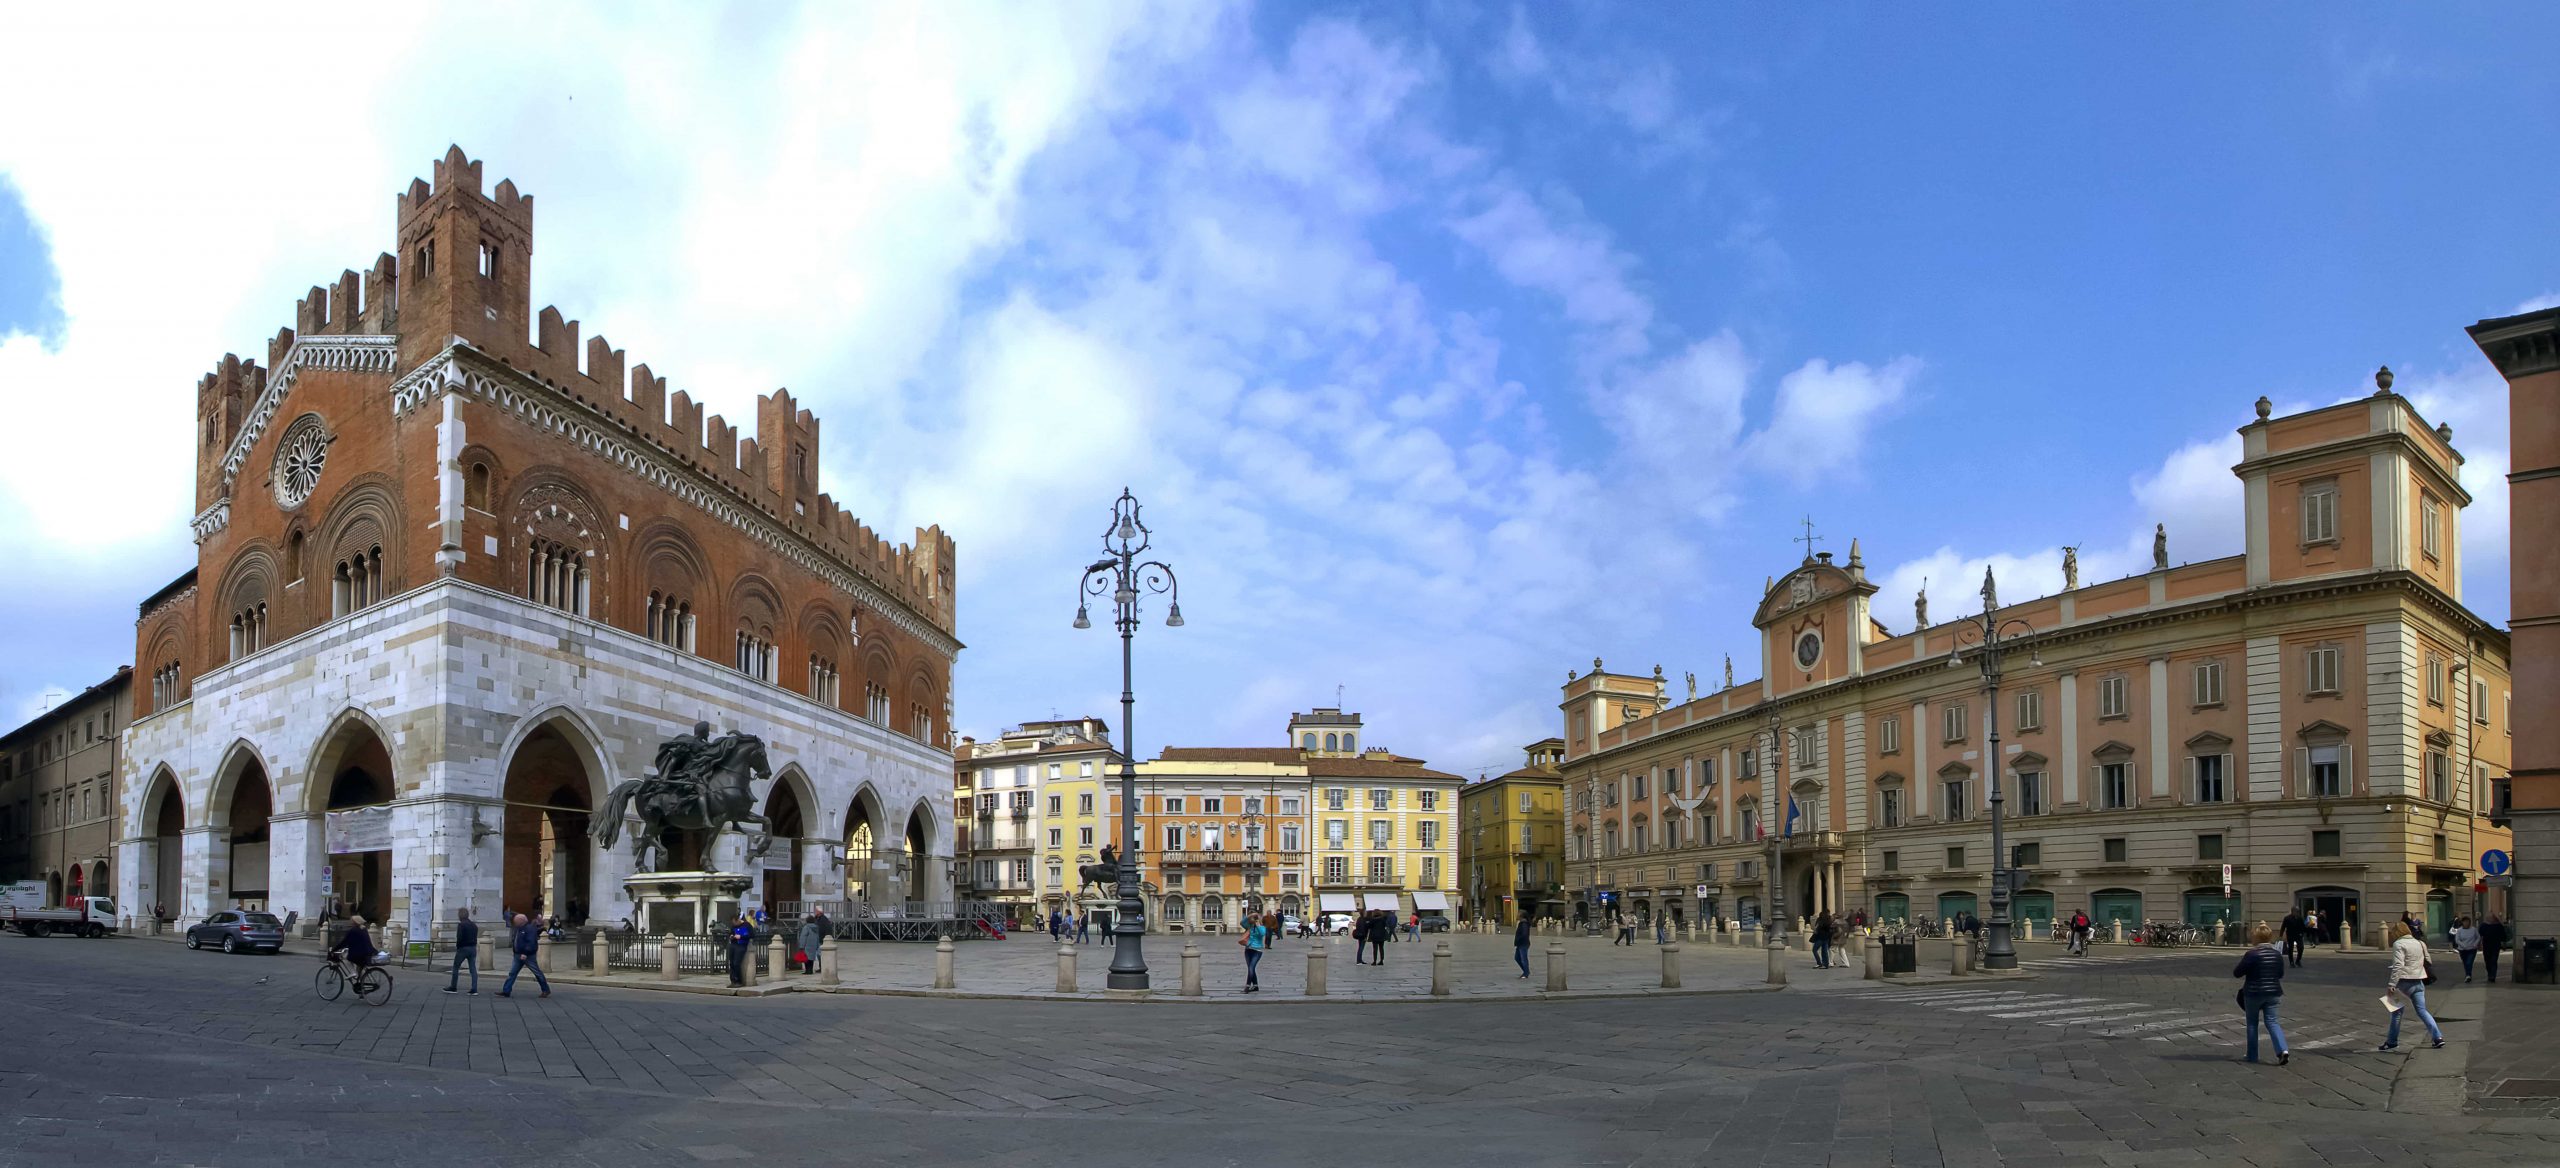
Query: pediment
column 2112, row 751
column 2322, row 730
column 1954, row 770
column 2209, row 743
column 1889, row 779
column 1810, row 586
column 2026, row 760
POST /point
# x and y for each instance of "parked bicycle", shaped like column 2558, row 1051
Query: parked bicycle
column 372, row 983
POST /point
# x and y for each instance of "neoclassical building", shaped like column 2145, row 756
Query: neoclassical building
column 2320, row 714
column 458, row 575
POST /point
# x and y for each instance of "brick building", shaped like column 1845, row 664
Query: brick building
column 458, row 574
column 58, row 793
column 2320, row 713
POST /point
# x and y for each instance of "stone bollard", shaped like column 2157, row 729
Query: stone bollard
column 2115, row 932
column 2027, row 929
column 1316, row 968
column 1875, row 963
column 1555, row 967
column 1956, row 954
column 1671, row 967
column 599, row 953
column 1190, row 969
column 747, row 965
column 946, row 974
column 827, row 974
column 1858, row 944
column 777, row 958
column 488, row 948
column 1066, row 969
column 1440, row 969
column 1777, row 966
column 1749, row 938
column 667, row 958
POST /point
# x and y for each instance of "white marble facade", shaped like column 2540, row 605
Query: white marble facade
column 452, row 678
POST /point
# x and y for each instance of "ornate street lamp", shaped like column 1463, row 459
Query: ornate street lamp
column 1987, row 630
column 1778, row 840
column 1121, row 574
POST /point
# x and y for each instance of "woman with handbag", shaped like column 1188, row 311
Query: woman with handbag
column 1256, row 939
column 2263, row 967
column 2409, row 977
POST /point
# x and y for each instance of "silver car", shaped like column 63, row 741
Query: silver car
column 238, row 931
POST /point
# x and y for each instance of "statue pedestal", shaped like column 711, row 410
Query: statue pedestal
column 685, row 903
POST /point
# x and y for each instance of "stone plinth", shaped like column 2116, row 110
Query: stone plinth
column 688, row 903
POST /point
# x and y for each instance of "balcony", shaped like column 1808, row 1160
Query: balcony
column 1004, row 843
column 1254, row 857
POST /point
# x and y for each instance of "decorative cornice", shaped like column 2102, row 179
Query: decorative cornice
column 458, row 370
column 2522, row 345
column 362, row 354
column 210, row 521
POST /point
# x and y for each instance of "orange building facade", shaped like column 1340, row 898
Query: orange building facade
column 2319, row 716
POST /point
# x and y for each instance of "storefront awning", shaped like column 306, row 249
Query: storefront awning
column 1337, row 902
column 1380, row 900
column 1431, row 901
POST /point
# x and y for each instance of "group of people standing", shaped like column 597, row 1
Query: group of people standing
column 1372, row 931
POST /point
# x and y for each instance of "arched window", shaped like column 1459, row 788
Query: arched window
column 1332, row 742
column 293, row 557
column 1310, row 739
column 556, row 577
column 475, row 489
column 1348, row 744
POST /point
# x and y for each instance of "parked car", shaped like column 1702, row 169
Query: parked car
column 1293, row 927
column 1435, row 922
column 237, row 931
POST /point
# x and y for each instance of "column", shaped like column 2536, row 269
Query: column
column 2067, row 767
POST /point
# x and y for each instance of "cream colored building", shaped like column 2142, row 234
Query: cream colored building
column 1027, row 806
column 1222, row 835
column 2319, row 715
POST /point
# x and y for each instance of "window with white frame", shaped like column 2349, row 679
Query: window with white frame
column 1706, row 772
column 1382, row 869
column 1084, row 837
column 1084, row 804
column 1335, row 868
column 1805, row 744
column 1429, row 831
column 1889, row 735
column 1528, row 837
column 1288, row 837
column 1890, row 806
column 1430, row 800
column 2212, row 773
column 2031, row 800
column 1173, row 837
column 2320, row 669
column 2435, row 680
column 1953, row 717
column 2115, row 785
column 1289, row 805
column 1750, row 763
column 1382, row 833
column 2325, row 768
column 1956, row 790
column 1636, row 785
column 1527, row 802
column 2112, row 691
column 2320, row 511
column 1333, row 797
column 2031, row 710
column 2480, row 702
column 1337, row 832
column 2208, row 683
column 2430, row 526
column 1380, row 798
column 1173, row 805
column 1054, row 833
column 1213, row 805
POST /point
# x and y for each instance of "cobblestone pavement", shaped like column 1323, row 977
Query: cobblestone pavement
column 124, row 1052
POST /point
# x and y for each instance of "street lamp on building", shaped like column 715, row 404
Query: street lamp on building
column 1987, row 631
column 1124, row 577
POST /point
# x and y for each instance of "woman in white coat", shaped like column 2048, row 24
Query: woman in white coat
column 2409, row 977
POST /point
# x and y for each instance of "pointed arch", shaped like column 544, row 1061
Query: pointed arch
column 793, row 784
column 353, row 738
column 163, row 784
column 241, row 759
column 582, row 736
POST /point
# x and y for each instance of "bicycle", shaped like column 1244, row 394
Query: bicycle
column 373, row 982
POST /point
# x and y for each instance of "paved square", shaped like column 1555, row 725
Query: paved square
column 131, row 1052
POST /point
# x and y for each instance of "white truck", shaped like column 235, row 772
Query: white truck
column 22, row 907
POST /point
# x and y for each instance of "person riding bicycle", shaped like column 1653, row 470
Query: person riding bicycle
column 2080, row 929
column 357, row 945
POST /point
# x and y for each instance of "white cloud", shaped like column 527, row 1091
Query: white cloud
column 1824, row 416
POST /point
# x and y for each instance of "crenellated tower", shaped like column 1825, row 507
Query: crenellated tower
column 467, row 262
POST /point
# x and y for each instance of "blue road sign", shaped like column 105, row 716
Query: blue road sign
column 2494, row 862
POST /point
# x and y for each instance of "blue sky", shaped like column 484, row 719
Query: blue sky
column 1451, row 346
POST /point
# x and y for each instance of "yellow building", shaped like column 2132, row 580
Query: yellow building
column 1026, row 806
column 2315, row 722
column 1384, row 826
column 1511, row 840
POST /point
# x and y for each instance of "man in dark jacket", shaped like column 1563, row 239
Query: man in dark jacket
column 466, row 951
column 2293, row 933
column 2493, row 938
column 358, row 944
column 527, row 948
column 1520, row 944
column 742, row 932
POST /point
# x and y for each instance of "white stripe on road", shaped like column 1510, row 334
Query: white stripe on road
column 2103, row 1008
column 2190, row 1021
column 2028, row 1000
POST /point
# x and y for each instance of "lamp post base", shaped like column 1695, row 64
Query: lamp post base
column 1997, row 951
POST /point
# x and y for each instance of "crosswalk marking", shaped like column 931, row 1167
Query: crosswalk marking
column 2101, row 1007
column 2017, row 1003
column 2100, row 1017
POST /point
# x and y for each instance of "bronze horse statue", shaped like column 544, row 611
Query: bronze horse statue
column 710, row 793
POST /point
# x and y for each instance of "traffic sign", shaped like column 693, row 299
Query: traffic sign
column 2502, row 880
column 2494, row 862
column 2226, row 879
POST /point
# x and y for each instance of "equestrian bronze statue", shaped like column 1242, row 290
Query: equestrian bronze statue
column 700, row 784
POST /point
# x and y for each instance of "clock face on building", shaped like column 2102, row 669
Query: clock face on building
column 1808, row 648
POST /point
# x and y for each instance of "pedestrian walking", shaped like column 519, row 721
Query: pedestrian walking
column 1084, row 928
column 1662, row 929
column 2466, row 941
column 1360, row 939
column 1256, row 940
column 1520, row 944
column 2408, row 978
column 2295, row 929
column 1413, row 928
column 742, row 932
column 812, row 935
column 527, row 946
column 1822, row 940
column 466, row 951
column 2493, row 940
column 2262, row 969
column 1626, row 932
